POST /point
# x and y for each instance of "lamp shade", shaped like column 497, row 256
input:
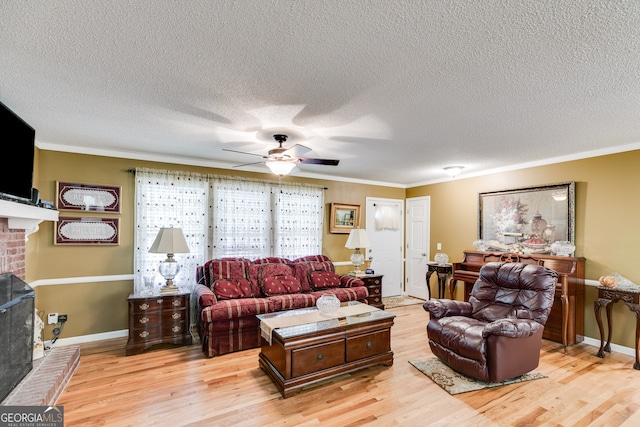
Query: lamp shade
column 281, row 167
column 358, row 239
column 169, row 241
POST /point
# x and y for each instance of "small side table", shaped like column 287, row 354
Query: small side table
column 155, row 319
column 442, row 270
column 630, row 296
column 373, row 282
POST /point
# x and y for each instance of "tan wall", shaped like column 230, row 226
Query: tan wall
column 606, row 229
column 607, row 226
column 101, row 307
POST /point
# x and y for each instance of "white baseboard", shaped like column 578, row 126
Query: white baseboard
column 82, row 339
column 614, row 347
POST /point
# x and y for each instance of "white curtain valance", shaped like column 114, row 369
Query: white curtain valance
column 387, row 217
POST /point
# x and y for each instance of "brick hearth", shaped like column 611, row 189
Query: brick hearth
column 47, row 380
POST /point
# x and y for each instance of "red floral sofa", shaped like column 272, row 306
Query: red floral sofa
column 231, row 291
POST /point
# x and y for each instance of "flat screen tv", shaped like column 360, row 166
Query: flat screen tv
column 16, row 178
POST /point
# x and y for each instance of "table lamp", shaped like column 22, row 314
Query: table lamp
column 357, row 239
column 170, row 241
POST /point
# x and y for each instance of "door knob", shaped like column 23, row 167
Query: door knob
column 423, row 254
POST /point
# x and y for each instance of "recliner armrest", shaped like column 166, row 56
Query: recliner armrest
column 512, row 328
column 439, row 308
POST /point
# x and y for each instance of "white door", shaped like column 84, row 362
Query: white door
column 418, row 214
column 386, row 233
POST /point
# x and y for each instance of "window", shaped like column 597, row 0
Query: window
column 224, row 217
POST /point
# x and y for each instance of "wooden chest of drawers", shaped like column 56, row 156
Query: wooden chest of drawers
column 158, row 319
column 373, row 282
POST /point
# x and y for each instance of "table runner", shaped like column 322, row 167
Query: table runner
column 268, row 325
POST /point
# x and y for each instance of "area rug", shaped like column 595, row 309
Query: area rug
column 399, row 301
column 455, row 383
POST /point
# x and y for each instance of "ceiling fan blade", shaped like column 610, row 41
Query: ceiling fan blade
column 248, row 164
column 296, row 151
column 326, row 162
column 244, row 152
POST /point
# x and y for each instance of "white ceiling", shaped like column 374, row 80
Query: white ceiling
column 396, row 90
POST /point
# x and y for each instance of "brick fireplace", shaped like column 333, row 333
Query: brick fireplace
column 12, row 250
column 45, row 378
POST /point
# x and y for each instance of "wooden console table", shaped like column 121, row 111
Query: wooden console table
column 442, row 270
column 606, row 298
column 566, row 320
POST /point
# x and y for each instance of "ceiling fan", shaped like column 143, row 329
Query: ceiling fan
column 282, row 160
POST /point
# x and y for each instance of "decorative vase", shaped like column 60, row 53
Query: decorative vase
column 538, row 225
column 328, row 304
column 481, row 245
column 562, row 248
column 441, row 258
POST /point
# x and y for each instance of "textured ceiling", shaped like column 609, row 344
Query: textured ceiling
column 396, row 90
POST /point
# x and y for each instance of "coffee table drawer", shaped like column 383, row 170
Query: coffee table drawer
column 316, row 358
column 366, row 345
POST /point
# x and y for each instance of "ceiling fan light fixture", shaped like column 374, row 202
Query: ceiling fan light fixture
column 453, row 171
column 281, row 167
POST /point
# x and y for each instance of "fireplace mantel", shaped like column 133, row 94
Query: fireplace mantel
column 25, row 217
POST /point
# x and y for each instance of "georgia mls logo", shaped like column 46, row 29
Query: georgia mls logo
column 31, row 416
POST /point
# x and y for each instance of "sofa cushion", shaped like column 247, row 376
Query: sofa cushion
column 292, row 301
column 225, row 268
column 272, row 260
column 303, row 270
column 236, row 308
column 280, row 285
column 232, row 288
column 259, row 272
column 312, row 258
column 324, row 280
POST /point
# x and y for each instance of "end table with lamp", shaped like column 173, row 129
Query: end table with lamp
column 357, row 239
column 169, row 241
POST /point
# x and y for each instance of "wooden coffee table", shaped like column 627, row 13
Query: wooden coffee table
column 299, row 356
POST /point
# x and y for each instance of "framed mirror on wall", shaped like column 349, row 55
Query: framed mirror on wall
column 527, row 220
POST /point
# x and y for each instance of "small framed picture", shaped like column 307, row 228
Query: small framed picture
column 344, row 218
column 72, row 196
column 86, row 231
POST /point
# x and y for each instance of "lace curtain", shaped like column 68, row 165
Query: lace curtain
column 165, row 199
column 223, row 217
column 298, row 216
column 256, row 219
column 241, row 218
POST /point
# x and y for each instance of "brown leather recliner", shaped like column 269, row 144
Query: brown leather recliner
column 497, row 335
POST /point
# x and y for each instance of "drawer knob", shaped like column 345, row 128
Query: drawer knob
column 377, row 290
column 144, row 306
column 159, row 300
column 320, row 357
column 176, row 302
column 144, row 334
column 144, row 320
column 369, row 345
column 176, row 316
column 176, row 329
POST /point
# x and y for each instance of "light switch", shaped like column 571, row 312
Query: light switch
column 439, row 246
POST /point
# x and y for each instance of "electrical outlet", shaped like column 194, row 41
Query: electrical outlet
column 53, row 318
column 439, row 246
column 62, row 318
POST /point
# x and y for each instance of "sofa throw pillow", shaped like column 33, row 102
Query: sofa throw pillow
column 324, row 280
column 232, row 289
column 280, row 285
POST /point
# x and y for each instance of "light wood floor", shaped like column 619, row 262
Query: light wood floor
column 178, row 386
